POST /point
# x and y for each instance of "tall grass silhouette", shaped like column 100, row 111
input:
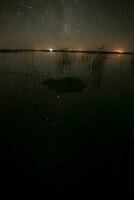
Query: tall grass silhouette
column 99, row 58
column 96, row 63
column 67, row 83
column 64, row 61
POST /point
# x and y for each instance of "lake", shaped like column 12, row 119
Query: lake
column 67, row 121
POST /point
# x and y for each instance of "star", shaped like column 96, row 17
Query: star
column 19, row 13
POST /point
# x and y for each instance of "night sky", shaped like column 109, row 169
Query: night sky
column 80, row 24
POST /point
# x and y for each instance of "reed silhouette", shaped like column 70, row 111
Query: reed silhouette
column 97, row 66
column 64, row 62
column 96, row 63
column 68, row 83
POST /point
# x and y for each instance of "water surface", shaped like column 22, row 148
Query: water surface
column 66, row 115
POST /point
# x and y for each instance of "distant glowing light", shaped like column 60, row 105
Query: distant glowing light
column 51, row 50
column 120, row 50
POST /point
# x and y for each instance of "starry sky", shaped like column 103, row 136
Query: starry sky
column 78, row 24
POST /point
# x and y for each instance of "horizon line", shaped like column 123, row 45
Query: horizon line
column 68, row 50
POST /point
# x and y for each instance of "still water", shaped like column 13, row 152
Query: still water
column 66, row 112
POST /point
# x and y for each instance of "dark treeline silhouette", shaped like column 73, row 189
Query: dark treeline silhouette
column 64, row 50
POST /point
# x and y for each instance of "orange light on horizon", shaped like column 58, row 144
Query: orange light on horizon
column 119, row 50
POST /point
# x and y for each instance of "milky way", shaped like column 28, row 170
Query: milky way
column 38, row 24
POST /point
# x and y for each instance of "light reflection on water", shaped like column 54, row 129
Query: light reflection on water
column 33, row 68
column 51, row 121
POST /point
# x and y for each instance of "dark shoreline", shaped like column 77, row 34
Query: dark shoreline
column 67, row 51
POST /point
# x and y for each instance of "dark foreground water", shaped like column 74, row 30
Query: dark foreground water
column 66, row 125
